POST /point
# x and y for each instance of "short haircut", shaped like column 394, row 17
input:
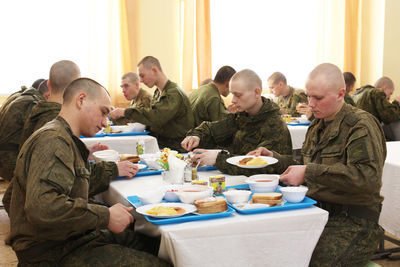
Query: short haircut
column 224, row 74
column 349, row 78
column 43, row 87
column 384, row 81
column 131, row 76
column 61, row 74
column 87, row 85
column 277, row 77
column 329, row 74
column 36, row 83
column 249, row 78
column 149, row 62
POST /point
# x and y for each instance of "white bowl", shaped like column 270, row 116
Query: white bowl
column 106, row 155
column 294, row 194
column 121, row 128
column 136, row 127
column 153, row 196
column 237, row 196
column 171, row 195
column 190, row 193
column 263, row 183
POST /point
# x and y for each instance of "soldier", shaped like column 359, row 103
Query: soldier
column 12, row 120
column 52, row 222
column 349, row 80
column 342, row 157
column 375, row 100
column 288, row 97
column 257, row 123
column 170, row 115
column 138, row 96
column 206, row 101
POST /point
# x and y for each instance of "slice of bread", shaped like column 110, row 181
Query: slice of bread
column 129, row 157
column 211, row 205
column 267, row 198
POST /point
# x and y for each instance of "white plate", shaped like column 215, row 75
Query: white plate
column 235, row 161
column 189, row 208
column 141, row 166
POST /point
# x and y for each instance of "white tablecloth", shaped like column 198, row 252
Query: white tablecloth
column 285, row 238
column 390, row 215
column 125, row 144
column 298, row 134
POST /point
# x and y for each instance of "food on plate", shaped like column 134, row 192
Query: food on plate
column 244, row 161
column 271, row 199
column 256, row 162
column 252, row 161
column 130, row 157
column 165, row 211
column 211, row 205
column 114, row 132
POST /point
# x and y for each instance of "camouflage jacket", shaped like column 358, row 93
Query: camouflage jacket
column 207, row 104
column 41, row 114
column 374, row 101
column 12, row 120
column 143, row 100
column 344, row 159
column 11, row 98
column 240, row 133
column 349, row 100
column 51, row 189
column 289, row 102
column 169, row 116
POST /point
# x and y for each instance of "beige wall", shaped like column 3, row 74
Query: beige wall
column 391, row 54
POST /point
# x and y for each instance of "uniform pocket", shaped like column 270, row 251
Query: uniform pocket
column 332, row 154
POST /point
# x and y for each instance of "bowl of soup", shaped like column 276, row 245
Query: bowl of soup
column 190, row 193
column 263, row 183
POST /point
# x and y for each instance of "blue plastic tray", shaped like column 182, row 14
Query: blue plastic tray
column 97, row 135
column 135, row 201
column 128, row 134
column 307, row 202
column 206, row 168
column 298, row 124
column 240, row 186
column 144, row 172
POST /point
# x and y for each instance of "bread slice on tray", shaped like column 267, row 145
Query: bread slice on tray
column 211, row 205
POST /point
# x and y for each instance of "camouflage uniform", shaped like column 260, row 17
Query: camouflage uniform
column 143, row 100
column 11, row 98
column 240, row 133
column 52, row 222
column 290, row 102
column 169, row 117
column 12, row 120
column 207, row 104
column 374, row 101
column 344, row 160
column 349, row 100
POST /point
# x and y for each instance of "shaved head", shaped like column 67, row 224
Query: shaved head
column 149, row 62
column 328, row 75
column 384, row 81
column 61, row 74
column 277, row 77
column 249, row 78
column 92, row 89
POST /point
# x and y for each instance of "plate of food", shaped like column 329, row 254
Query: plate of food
column 166, row 210
column 251, row 162
column 141, row 166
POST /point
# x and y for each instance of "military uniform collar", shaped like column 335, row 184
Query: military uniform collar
column 334, row 126
column 267, row 106
column 80, row 145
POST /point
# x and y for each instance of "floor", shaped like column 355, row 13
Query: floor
column 8, row 258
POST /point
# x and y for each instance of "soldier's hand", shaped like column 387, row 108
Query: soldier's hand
column 205, row 156
column 261, row 151
column 96, row 147
column 120, row 218
column 190, row 142
column 294, row 175
column 232, row 108
column 127, row 168
column 117, row 112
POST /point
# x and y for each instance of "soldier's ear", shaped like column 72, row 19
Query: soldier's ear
column 258, row 91
column 80, row 99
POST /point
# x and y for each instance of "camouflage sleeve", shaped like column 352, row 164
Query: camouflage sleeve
column 216, row 109
column 51, row 176
column 387, row 112
column 216, row 133
column 160, row 113
column 101, row 175
column 361, row 171
column 296, row 99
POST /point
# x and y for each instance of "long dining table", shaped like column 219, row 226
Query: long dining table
column 283, row 238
